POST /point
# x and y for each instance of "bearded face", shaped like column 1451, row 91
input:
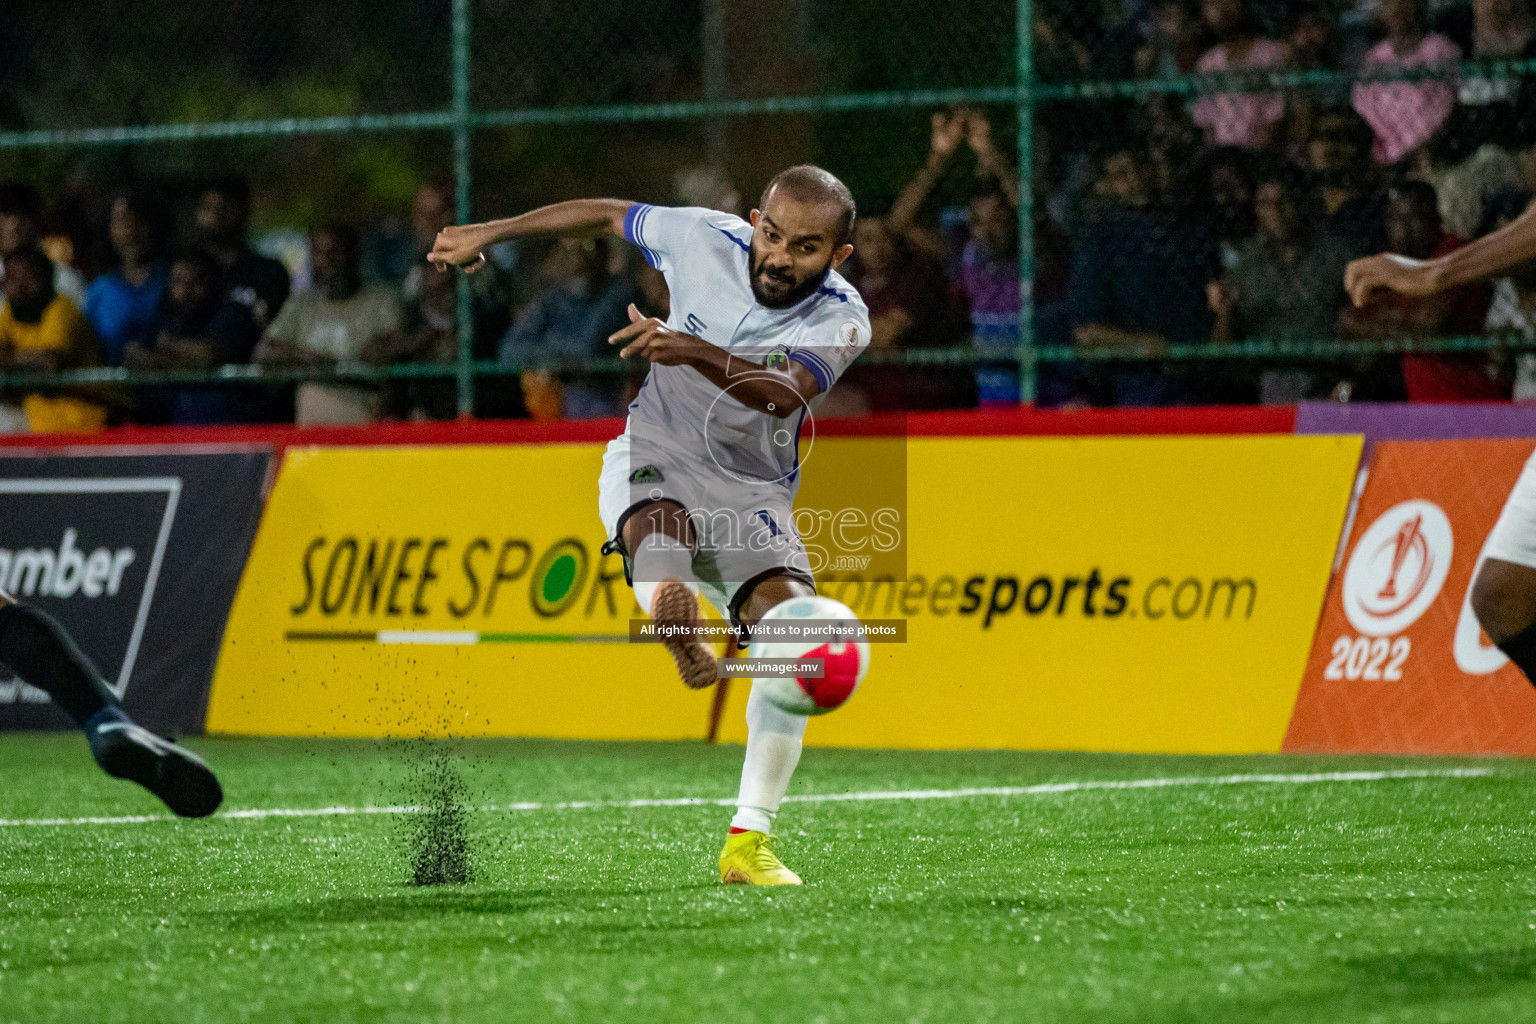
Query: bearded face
column 778, row 283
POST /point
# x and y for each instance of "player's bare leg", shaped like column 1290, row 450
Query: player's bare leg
column 660, row 540
column 37, row 649
column 1504, row 599
column 774, row 738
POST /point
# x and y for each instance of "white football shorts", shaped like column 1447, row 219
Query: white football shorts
column 745, row 529
column 1513, row 537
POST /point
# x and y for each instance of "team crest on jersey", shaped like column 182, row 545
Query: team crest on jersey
column 646, row 475
column 848, row 335
column 778, row 359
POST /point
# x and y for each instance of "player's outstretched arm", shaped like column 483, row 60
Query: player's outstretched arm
column 464, row 245
column 780, row 393
column 1512, row 244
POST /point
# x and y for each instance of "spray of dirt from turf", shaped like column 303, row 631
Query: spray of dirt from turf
column 437, row 836
column 438, row 839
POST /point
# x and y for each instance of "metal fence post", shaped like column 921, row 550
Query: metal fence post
column 1026, row 110
column 461, row 202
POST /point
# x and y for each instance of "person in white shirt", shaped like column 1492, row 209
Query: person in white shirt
column 340, row 320
column 698, row 491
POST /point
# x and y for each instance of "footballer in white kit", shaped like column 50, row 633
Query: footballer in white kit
column 1504, row 589
column 698, row 492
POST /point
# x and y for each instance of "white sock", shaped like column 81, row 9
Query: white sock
column 773, row 750
column 658, row 557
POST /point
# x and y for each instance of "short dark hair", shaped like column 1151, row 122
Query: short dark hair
column 1247, row 20
column 1289, row 177
column 32, row 256
column 18, row 199
column 345, row 235
column 1299, row 12
column 148, row 209
column 202, row 259
column 234, row 187
column 1356, row 128
column 140, row 200
column 1235, row 158
column 806, row 183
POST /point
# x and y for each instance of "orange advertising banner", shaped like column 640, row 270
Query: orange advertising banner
column 1399, row 663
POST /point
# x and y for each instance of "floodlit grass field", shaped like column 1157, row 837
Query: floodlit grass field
column 1399, row 899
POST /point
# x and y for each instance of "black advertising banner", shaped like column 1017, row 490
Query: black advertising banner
column 138, row 553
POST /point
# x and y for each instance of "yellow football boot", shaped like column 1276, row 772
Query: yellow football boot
column 747, row 860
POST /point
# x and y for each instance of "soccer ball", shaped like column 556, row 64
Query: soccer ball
column 844, row 660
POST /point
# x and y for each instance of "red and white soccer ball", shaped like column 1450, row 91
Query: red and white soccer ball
column 844, row 662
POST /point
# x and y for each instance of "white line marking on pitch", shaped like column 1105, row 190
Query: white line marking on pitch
column 1040, row 789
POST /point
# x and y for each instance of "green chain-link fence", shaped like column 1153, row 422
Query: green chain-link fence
column 1164, row 148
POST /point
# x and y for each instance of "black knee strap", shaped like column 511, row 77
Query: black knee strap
column 744, row 594
column 1521, row 649
column 616, row 545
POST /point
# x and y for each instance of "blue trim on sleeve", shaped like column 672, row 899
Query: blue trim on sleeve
column 634, row 221
column 739, row 243
column 821, row 361
column 628, row 221
column 651, row 251
column 839, row 296
column 632, row 229
column 630, row 216
column 826, row 365
column 819, row 370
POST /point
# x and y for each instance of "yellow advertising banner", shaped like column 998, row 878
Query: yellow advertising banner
column 1135, row 594
column 441, row 591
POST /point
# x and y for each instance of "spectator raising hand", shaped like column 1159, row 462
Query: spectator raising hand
column 986, row 276
column 947, row 132
column 978, row 135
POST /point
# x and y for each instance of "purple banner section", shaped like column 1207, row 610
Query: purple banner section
column 1405, row 422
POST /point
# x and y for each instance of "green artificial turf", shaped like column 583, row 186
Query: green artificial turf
column 1393, row 900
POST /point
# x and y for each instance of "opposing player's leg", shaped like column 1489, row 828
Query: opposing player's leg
column 36, row 648
column 1504, row 598
column 661, row 545
column 1504, row 590
column 774, row 739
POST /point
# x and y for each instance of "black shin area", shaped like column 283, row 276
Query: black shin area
column 1521, row 649
column 37, row 649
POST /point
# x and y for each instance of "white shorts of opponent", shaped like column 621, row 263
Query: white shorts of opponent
column 745, row 530
column 1513, row 538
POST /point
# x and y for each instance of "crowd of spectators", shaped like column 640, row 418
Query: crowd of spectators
column 347, row 299
column 1228, row 215
column 1218, row 216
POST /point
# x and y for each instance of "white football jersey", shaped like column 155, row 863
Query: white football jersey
column 704, row 256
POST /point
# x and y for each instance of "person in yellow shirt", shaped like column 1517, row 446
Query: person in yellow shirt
column 45, row 331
